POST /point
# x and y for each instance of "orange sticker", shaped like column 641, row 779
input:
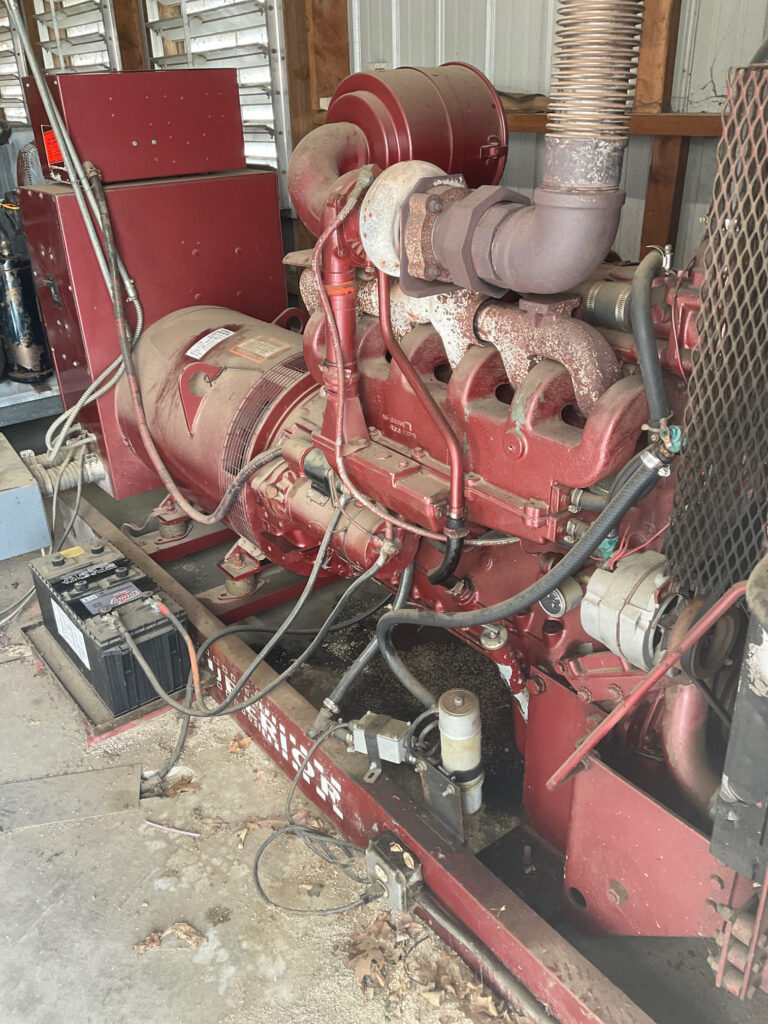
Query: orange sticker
column 52, row 148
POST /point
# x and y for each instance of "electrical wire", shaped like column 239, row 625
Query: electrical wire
column 337, row 852
column 673, row 312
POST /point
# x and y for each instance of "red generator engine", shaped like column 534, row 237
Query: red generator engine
column 558, row 457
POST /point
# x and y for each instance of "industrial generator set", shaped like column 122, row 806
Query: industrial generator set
column 557, row 457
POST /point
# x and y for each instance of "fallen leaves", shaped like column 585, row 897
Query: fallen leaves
column 382, row 958
column 169, row 787
column 238, row 744
column 181, row 929
column 275, row 822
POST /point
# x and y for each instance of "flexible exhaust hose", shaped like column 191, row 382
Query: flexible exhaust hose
column 645, row 339
column 636, row 487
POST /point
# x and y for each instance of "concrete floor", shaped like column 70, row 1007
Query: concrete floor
column 77, row 895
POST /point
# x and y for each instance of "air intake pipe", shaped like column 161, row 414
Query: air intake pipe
column 558, row 241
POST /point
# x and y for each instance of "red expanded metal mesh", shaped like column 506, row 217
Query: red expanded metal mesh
column 718, row 528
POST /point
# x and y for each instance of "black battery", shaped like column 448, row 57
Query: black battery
column 79, row 590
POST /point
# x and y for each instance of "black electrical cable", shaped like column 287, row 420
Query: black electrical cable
column 645, row 339
column 627, row 496
column 227, row 707
column 333, row 850
column 241, row 628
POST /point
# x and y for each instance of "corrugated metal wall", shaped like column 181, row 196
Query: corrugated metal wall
column 511, row 41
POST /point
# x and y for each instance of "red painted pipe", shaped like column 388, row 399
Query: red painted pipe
column 695, row 634
column 684, row 739
column 455, row 453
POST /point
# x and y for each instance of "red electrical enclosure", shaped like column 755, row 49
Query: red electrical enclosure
column 140, row 124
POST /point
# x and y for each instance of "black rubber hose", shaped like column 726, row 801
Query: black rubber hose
column 364, row 659
column 645, row 339
column 628, row 495
column 592, row 502
column 453, row 547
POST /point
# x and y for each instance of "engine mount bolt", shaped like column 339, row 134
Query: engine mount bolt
column 615, row 692
column 584, row 694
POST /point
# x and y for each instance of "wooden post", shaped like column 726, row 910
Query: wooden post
column 669, row 154
column 317, row 58
column 131, row 38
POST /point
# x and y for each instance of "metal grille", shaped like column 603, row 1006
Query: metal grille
column 718, row 527
column 239, row 444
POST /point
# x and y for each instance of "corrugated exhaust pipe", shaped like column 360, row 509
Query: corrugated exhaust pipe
column 557, row 242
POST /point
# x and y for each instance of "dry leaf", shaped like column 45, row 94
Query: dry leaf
column 238, row 744
column 241, row 837
column 152, row 941
column 185, row 931
column 182, row 785
column 435, row 998
column 181, row 929
column 258, row 774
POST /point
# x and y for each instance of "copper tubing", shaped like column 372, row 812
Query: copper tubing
column 684, row 738
column 705, row 623
column 455, row 454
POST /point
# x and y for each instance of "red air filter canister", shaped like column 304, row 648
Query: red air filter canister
column 450, row 116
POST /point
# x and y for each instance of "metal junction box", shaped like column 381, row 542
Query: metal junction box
column 135, row 125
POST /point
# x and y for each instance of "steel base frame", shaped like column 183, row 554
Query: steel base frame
column 564, row 981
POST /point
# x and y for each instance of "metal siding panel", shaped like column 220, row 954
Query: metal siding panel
column 637, row 159
column 419, row 33
column 523, row 45
column 464, row 32
column 714, row 36
column 375, row 27
column 697, row 196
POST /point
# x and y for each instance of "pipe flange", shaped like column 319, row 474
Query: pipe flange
column 455, row 228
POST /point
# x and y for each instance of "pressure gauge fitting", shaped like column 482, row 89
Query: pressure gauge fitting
column 562, row 599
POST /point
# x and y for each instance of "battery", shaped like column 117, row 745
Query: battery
column 79, row 591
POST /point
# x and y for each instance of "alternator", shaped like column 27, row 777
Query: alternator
column 625, row 609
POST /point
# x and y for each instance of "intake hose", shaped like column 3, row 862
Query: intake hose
column 454, row 545
column 651, row 466
column 645, row 339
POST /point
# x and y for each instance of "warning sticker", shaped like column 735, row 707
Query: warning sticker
column 69, row 632
column 258, row 348
column 52, row 148
column 204, row 345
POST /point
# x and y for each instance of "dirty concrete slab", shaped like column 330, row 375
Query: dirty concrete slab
column 64, row 797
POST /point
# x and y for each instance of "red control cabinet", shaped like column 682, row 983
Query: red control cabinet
column 201, row 239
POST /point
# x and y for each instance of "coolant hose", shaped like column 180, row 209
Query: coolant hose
column 650, row 467
column 645, row 339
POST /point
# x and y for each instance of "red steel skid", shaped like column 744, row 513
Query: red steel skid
column 560, row 977
column 197, row 538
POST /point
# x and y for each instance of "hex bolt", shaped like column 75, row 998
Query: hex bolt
column 616, row 893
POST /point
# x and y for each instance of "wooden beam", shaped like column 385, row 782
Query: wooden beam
column 664, row 195
column 297, row 67
column 33, row 29
column 131, row 37
column 658, row 48
column 328, row 43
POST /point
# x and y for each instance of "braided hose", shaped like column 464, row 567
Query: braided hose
column 595, row 64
